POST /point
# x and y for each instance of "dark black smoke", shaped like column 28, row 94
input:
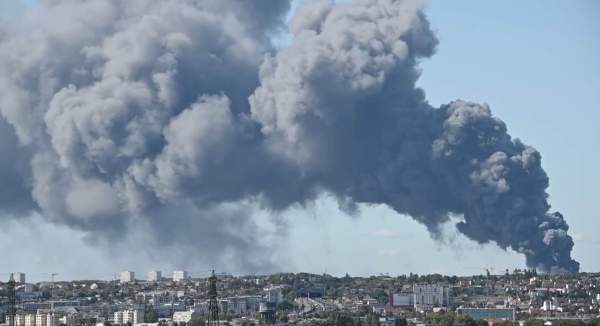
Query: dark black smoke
column 180, row 116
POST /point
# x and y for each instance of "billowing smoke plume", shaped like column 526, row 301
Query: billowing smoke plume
column 181, row 115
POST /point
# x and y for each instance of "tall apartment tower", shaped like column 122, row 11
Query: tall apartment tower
column 432, row 295
column 134, row 316
column 19, row 277
column 48, row 319
column 127, row 277
column 180, row 276
column 154, row 276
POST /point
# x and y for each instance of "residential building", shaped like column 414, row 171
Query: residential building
column 134, row 316
column 185, row 316
column 19, row 277
column 427, row 296
column 154, row 276
column 118, row 317
column 387, row 321
column 19, row 320
column 180, row 276
column 240, row 305
column 127, row 277
column 43, row 319
column 29, row 320
column 402, row 299
column 267, row 312
column 488, row 313
column 274, row 294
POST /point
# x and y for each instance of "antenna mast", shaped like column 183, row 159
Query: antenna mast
column 11, row 312
column 213, row 305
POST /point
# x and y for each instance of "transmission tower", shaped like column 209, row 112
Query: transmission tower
column 213, row 305
column 12, row 301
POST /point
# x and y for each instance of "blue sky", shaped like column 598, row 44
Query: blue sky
column 536, row 63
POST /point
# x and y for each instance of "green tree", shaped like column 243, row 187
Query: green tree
column 285, row 306
column 150, row 315
column 594, row 322
column 196, row 322
column 283, row 318
column 372, row 320
column 509, row 323
column 534, row 322
column 401, row 322
column 344, row 320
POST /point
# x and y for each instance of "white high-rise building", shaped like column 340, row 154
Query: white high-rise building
column 185, row 316
column 274, row 294
column 138, row 316
column 29, row 320
column 154, row 276
column 19, row 277
column 127, row 277
column 26, row 320
column 134, row 316
column 41, row 320
column 118, row 317
column 20, row 320
column 49, row 319
column 180, row 276
column 432, row 295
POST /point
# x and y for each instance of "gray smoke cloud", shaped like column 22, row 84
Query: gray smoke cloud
column 181, row 118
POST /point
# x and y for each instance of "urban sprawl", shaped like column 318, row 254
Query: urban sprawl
column 510, row 298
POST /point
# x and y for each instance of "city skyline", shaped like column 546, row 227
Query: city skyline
column 504, row 63
column 518, row 297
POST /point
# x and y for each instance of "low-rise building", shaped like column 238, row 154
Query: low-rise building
column 402, row 299
column 241, row 305
column 186, row 316
column 488, row 313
